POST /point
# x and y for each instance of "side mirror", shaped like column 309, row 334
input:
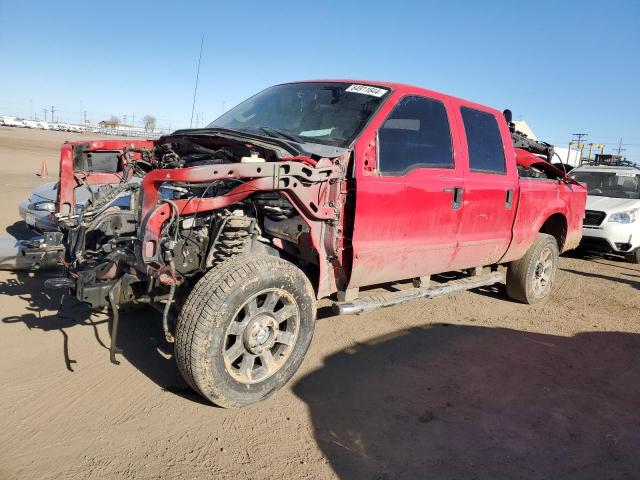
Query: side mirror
column 508, row 116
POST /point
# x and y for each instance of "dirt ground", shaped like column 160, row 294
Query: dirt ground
column 467, row 386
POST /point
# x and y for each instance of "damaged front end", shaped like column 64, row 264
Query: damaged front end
column 162, row 213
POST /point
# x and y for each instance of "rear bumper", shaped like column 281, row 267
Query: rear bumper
column 610, row 236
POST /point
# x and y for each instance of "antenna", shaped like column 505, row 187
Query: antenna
column 195, row 90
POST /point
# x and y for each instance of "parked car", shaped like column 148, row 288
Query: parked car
column 612, row 215
column 14, row 122
column 303, row 191
column 37, row 210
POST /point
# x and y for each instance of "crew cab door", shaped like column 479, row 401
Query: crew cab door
column 408, row 187
column 491, row 186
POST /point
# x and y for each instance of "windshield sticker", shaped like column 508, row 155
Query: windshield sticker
column 317, row 133
column 625, row 174
column 367, row 90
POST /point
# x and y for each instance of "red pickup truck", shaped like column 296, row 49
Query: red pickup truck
column 303, row 191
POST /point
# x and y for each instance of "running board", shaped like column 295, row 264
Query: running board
column 382, row 300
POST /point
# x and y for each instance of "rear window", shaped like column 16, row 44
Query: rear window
column 484, row 141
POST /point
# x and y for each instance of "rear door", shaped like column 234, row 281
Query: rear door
column 491, row 186
column 407, row 209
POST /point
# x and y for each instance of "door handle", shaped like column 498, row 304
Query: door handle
column 509, row 201
column 456, row 202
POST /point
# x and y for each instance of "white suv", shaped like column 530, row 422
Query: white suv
column 612, row 215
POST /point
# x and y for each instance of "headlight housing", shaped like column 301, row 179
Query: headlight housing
column 628, row 216
column 45, row 206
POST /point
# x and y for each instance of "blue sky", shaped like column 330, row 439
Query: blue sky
column 564, row 66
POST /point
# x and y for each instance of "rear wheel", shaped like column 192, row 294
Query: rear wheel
column 530, row 279
column 635, row 256
column 244, row 329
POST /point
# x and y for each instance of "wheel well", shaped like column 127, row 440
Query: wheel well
column 556, row 226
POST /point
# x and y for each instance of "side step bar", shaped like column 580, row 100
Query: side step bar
column 382, row 300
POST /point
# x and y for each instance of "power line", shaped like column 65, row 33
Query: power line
column 579, row 135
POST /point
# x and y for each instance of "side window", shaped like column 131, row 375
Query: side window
column 415, row 134
column 484, row 141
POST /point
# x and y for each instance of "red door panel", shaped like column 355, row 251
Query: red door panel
column 405, row 223
column 404, row 227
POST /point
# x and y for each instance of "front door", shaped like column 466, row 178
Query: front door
column 408, row 203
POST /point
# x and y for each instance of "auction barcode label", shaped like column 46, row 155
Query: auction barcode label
column 367, row 90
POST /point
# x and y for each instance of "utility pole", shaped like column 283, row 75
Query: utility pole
column 578, row 143
column 620, row 149
column 85, row 118
column 45, row 114
column 52, row 111
column 124, row 118
column 133, row 119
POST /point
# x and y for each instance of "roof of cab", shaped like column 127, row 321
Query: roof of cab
column 606, row 168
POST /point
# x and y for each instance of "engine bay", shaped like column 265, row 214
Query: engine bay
column 104, row 237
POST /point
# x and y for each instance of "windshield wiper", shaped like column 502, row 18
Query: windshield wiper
column 279, row 133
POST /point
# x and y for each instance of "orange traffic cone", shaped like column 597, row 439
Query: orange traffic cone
column 43, row 169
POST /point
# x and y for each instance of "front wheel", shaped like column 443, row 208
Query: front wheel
column 245, row 329
column 530, row 279
column 635, row 256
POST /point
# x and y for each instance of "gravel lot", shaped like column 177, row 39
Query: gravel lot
column 467, row 386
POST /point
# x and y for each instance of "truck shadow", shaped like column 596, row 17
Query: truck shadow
column 39, row 306
column 459, row 402
column 140, row 335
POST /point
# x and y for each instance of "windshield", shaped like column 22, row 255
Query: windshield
column 329, row 113
column 611, row 184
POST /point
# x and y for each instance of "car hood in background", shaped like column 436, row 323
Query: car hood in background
column 611, row 205
column 49, row 192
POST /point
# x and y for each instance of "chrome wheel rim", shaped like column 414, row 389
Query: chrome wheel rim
column 543, row 272
column 261, row 336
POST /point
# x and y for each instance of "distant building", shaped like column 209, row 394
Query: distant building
column 523, row 127
column 568, row 157
column 119, row 126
